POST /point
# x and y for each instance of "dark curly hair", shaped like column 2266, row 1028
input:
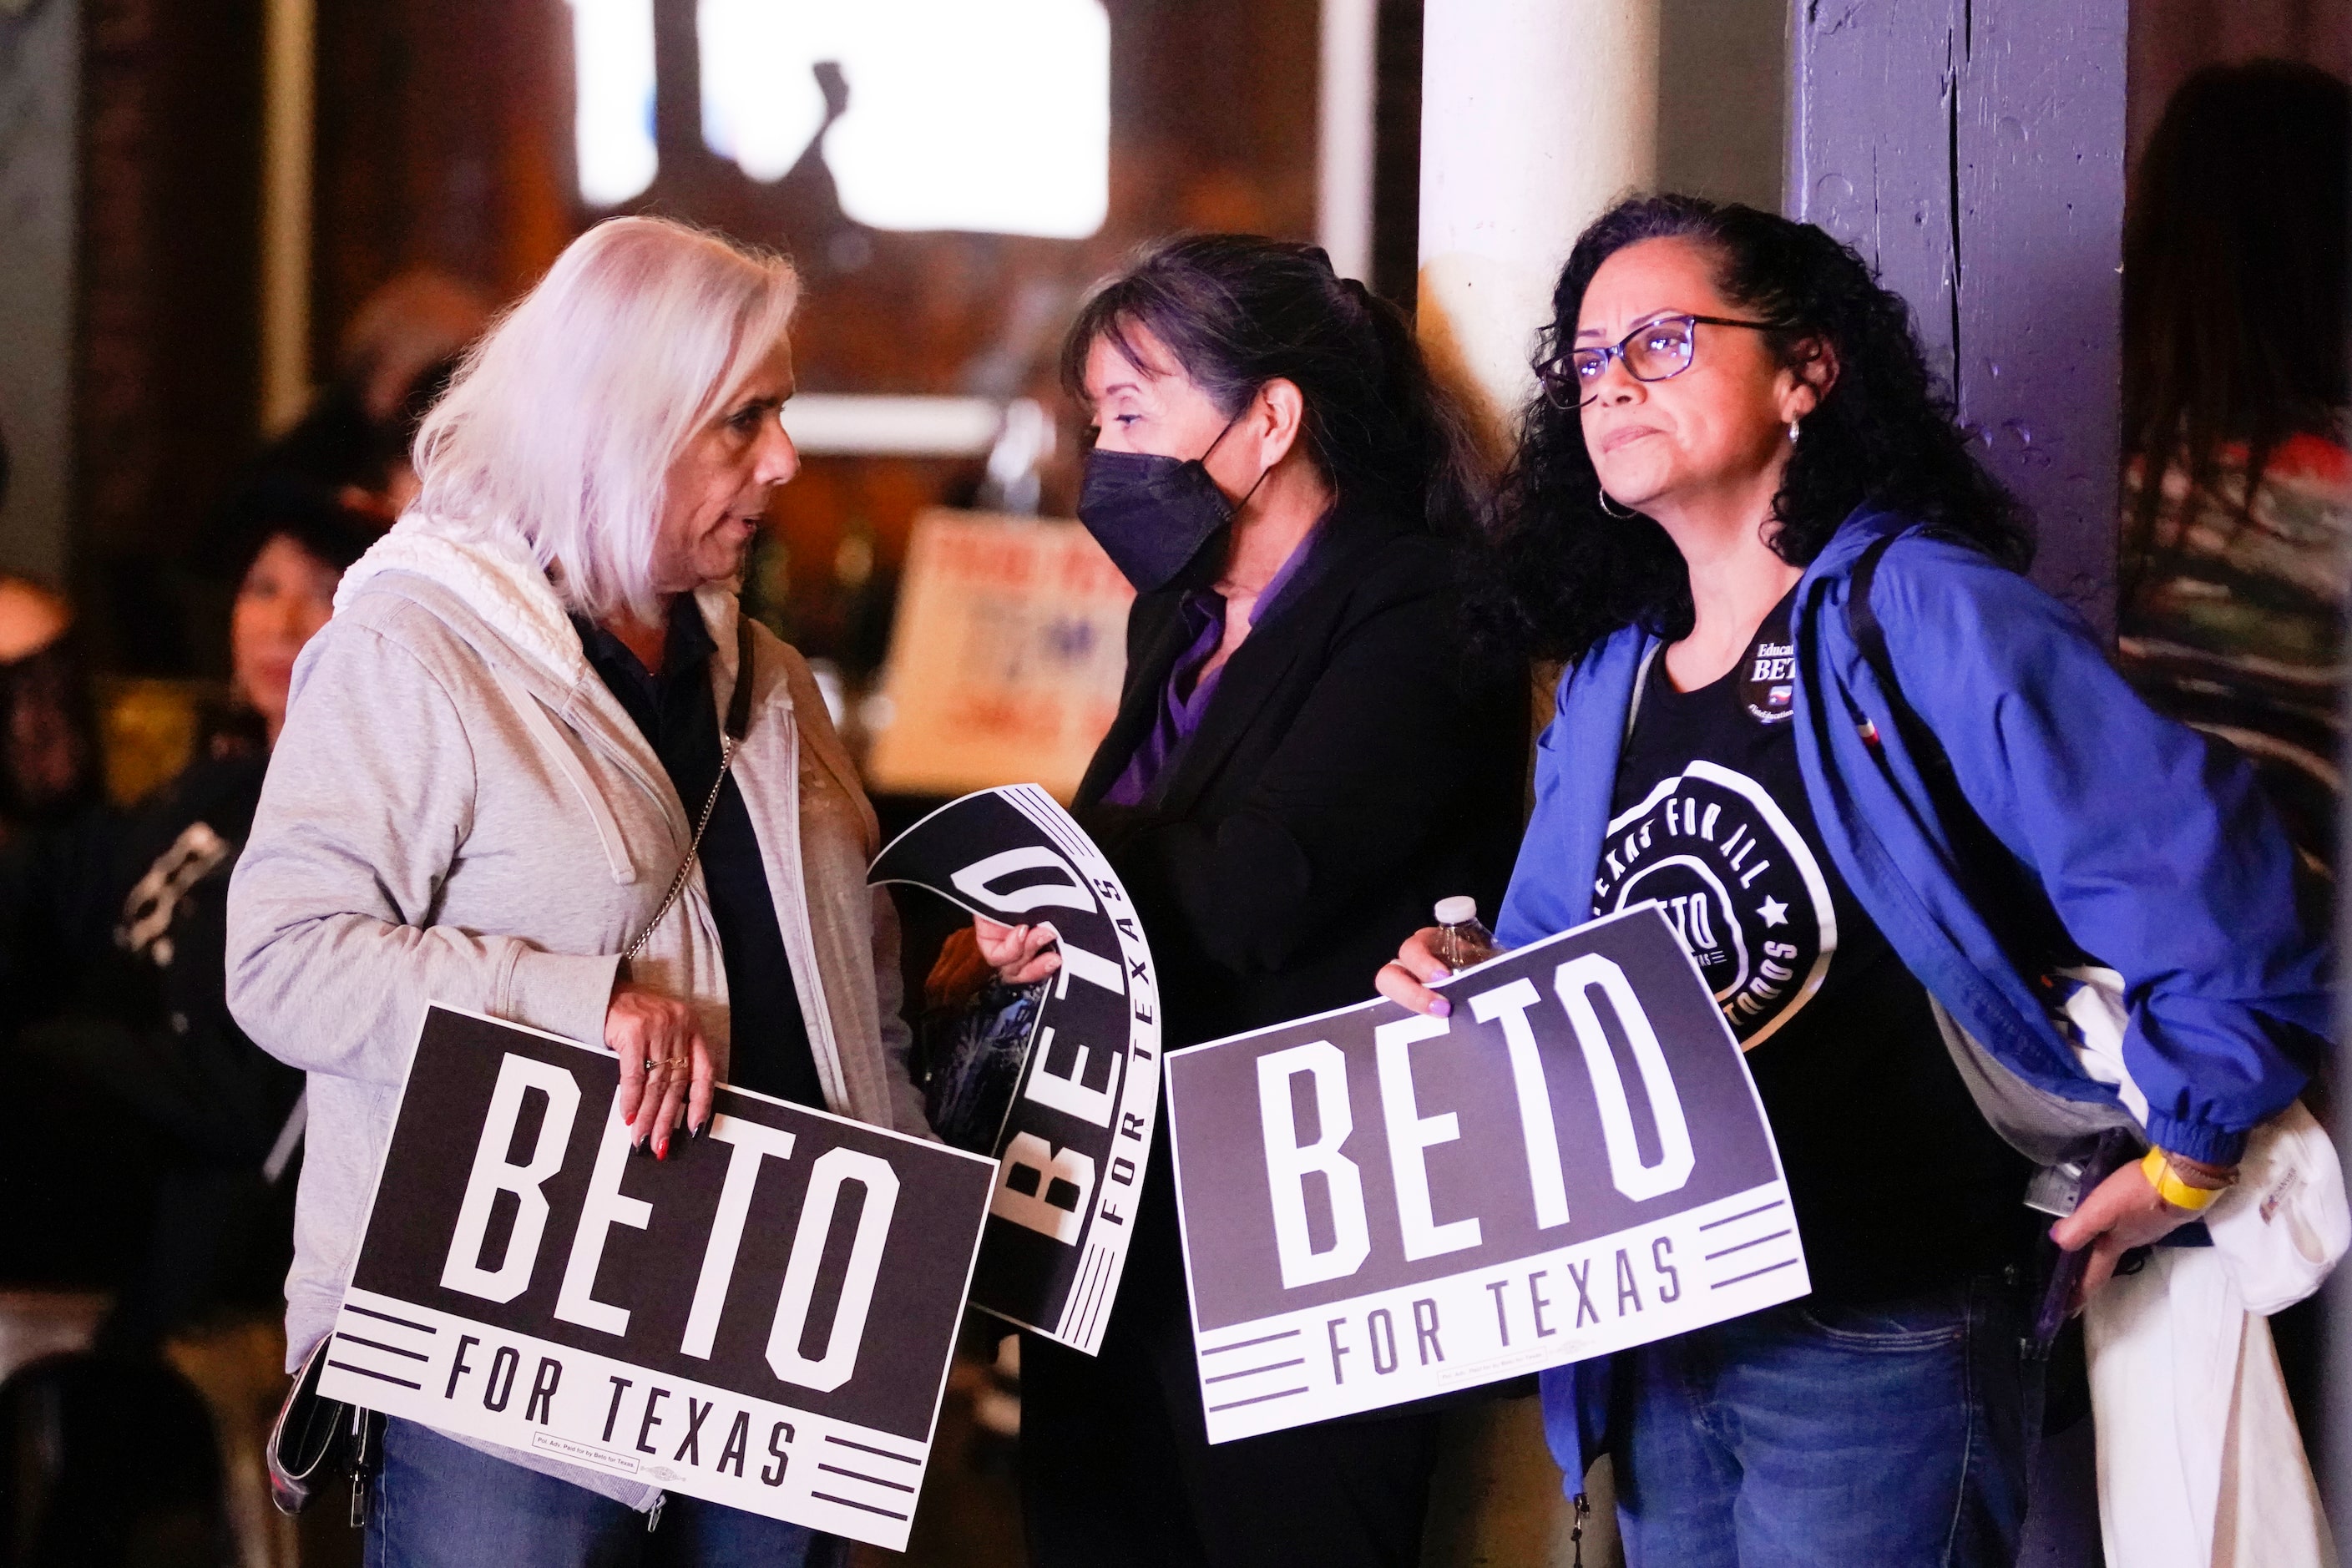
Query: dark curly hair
column 1238, row 310
column 1560, row 574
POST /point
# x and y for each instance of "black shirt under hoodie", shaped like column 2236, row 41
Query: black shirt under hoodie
column 1898, row 1184
column 679, row 718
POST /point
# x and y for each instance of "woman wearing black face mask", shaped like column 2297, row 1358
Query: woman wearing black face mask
column 1300, row 766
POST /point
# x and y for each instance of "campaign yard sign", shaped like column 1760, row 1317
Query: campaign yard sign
column 1076, row 1133
column 1378, row 1207
column 764, row 1318
column 1007, row 655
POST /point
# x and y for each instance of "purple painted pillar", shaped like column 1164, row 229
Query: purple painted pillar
column 1973, row 149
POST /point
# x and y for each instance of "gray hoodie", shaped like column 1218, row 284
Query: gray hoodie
column 458, row 811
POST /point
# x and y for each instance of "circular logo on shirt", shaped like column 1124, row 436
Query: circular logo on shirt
column 1713, row 851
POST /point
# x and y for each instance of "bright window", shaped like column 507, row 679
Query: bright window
column 988, row 115
column 613, row 61
column 760, row 103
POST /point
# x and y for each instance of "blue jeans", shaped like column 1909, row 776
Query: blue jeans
column 439, row 1504
column 1817, row 1434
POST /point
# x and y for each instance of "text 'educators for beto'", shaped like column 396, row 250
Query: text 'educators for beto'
column 764, row 1318
column 1378, row 1206
column 1075, row 1138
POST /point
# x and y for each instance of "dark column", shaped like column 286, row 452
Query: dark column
column 1396, row 155
column 1973, row 149
column 167, row 372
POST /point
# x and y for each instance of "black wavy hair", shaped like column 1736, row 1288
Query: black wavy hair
column 283, row 505
column 1238, row 310
column 1560, row 574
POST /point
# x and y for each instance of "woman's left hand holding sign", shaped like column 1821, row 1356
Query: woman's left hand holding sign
column 666, row 1070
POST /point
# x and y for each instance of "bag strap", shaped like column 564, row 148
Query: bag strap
column 739, row 700
column 1997, row 885
column 738, row 721
column 1926, row 752
column 1641, row 684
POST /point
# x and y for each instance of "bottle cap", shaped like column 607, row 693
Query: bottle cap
column 1458, row 911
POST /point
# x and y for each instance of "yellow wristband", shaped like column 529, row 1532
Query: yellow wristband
column 2172, row 1188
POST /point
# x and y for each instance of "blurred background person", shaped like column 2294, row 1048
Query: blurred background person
column 2236, row 558
column 1303, row 762
column 136, row 1010
column 591, row 484
column 392, row 363
column 49, row 758
column 74, row 1215
column 2237, row 500
column 147, row 1191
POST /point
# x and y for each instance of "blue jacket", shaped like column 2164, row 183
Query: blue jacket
column 2154, row 845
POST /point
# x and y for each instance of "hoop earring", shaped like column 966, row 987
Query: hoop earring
column 1603, row 492
column 1792, row 432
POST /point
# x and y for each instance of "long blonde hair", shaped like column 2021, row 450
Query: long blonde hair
column 563, row 420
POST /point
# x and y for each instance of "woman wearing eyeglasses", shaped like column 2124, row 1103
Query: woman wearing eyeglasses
column 1737, row 501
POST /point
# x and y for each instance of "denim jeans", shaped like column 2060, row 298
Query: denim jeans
column 439, row 1504
column 1818, row 1435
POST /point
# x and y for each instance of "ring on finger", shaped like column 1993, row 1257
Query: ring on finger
column 654, row 1064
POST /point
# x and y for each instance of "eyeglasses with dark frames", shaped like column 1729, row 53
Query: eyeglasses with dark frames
column 1654, row 351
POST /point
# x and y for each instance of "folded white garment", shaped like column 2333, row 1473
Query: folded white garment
column 2283, row 1226
column 2199, row 1462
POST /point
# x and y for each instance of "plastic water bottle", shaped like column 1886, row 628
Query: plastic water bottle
column 1461, row 941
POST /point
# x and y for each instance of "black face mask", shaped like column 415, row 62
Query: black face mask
column 1153, row 516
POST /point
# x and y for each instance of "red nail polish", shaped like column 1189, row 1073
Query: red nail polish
column 661, row 1150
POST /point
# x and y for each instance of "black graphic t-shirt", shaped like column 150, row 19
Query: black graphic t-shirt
column 1899, row 1184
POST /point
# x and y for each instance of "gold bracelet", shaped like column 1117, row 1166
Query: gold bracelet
column 2158, row 1169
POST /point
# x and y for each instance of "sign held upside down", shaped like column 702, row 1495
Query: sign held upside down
column 1075, row 1138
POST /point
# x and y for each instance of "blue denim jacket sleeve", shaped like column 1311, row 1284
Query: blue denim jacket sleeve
column 2153, row 843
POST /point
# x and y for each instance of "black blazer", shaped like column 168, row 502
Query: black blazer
column 1346, row 776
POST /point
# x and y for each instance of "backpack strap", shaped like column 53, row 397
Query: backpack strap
column 1997, row 884
column 1870, row 637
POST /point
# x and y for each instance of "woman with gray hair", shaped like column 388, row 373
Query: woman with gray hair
column 495, row 762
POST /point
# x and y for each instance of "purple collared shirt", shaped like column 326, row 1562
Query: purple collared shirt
column 1186, row 697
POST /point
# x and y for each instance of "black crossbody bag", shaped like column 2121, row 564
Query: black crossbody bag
column 314, row 1439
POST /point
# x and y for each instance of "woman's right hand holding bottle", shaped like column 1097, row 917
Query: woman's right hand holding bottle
column 1401, row 978
column 1436, row 952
